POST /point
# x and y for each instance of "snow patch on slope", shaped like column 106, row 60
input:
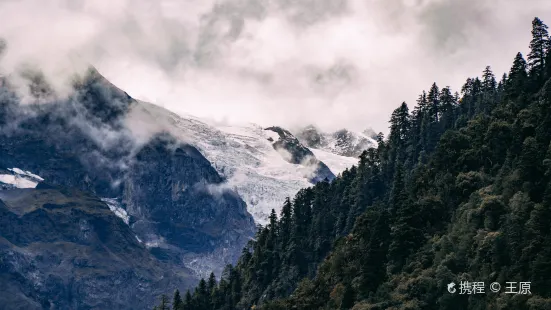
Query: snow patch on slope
column 335, row 162
column 18, row 178
column 26, row 173
column 116, row 208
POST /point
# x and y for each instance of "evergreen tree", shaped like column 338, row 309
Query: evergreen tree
column 539, row 47
column 211, row 284
column 399, row 125
column 434, row 103
column 164, row 305
column 188, row 301
column 517, row 77
column 448, row 103
column 285, row 223
column 399, row 132
column 177, row 303
column 405, row 231
column 489, row 83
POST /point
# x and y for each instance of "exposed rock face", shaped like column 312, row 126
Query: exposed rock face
column 296, row 153
column 64, row 249
column 176, row 203
column 69, row 143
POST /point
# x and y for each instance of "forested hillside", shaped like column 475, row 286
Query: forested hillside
column 459, row 191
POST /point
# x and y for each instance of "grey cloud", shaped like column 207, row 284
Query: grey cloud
column 309, row 12
column 334, row 79
column 333, row 63
column 449, row 23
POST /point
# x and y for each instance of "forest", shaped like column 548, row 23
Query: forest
column 458, row 191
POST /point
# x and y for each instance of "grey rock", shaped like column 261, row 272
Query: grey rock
column 299, row 154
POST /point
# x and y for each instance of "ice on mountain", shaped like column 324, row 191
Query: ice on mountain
column 116, row 208
column 243, row 155
column 27, row 173
column 19, row 178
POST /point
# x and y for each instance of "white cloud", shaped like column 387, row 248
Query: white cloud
column 332, row 63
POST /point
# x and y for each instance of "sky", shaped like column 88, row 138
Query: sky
column 331, row 63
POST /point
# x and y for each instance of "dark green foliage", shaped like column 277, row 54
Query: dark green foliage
column 164, row 305
column 539, row 47
column 459, row 191
column 177, row 303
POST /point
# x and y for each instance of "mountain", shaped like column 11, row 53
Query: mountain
column 341, row 142
column 101, row 194
column 450, row 211
column 166, row 191
column 64, row 249
column 181, row 184
column 263, row 165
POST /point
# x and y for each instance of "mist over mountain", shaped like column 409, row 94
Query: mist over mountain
column 153, row 188
column 182, row 188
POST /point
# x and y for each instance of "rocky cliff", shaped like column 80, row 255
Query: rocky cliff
column 295, row 152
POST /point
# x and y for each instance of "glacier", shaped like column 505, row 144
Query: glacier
column 243, row 155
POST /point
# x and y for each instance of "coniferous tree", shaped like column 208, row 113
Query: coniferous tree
column 285, row 223
column 539, row 47
column 399, row 126
column 489, row 83
column 405, row 230
column 517, row 77
column 434, row 103
column 448, row 103
column 177, row 303
column 164, row 305
column 188, row 301
column 211, row 283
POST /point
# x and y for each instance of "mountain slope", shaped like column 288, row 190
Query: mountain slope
column 64, row 249
column 164, row 186
column 262, row 174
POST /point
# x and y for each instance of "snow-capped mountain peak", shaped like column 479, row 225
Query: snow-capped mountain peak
column 342, row 142
column 263, row 165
